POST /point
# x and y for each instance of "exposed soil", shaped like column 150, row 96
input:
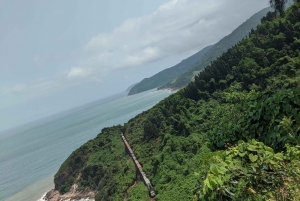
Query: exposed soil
column 72, row 195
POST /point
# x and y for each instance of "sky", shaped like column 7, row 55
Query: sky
column 56, row 55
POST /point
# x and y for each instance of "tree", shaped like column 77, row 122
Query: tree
column 278, row 5
column 150, row 130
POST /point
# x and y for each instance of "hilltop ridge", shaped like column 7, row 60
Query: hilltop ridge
column 181, row 74
column 168, row 74
column 218, row 49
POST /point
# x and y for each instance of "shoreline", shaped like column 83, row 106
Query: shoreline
column 73, row 195
column 39, row 190
column 35, row 191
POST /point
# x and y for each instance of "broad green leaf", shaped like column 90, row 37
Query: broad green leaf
column 279, row 156
column 222, row 170
column 242, row 154
column 251, row 148
column 207, row 183
column 253, row 158
column 214, row 169
column 269, row 149
column 241, row 147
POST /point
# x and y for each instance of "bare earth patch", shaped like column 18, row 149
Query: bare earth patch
column 72, row 195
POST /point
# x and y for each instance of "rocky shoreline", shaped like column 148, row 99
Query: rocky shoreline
column 72, row 195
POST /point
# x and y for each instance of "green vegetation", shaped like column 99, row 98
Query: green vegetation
column 278, row 5
column 252, row 171
column 181, row 74
column 232, row 134
column 100, row 164
column 261, row 118
column 218, row 49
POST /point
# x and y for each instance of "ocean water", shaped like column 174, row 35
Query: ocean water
column 31, row 154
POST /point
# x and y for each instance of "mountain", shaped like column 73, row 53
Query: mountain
column 218, row 49
column 168, row 74
column 131, row 86
column 181, row 74
column 231, row 134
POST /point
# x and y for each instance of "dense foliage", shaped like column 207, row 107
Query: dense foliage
column 260, row 118
column 252, row 171
column 232, row 134
column 98, row 165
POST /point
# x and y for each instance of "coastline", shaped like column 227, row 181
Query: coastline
column 38, row 188
column 35, row 191
column 72, row 195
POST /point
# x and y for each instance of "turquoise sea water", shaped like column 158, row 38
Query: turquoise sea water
column 31, row 154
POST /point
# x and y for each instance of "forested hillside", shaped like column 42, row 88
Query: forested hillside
column 218, row 49
column 232, row 134
column 168, row 74
column 181, row 74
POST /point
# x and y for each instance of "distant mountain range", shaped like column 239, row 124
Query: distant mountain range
column 168, row 74
column 218, row 49
column 181, row 74
column 131, row 86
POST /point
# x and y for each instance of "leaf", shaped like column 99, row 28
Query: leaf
column 241, row 147
column 219, row 181
column 267, row 181
column 279, row 156
column 254, row 169
column 254, row 141
column 253, row 158
column 242, row 154
column 251, row 148
column 207, row 183
column 251, row 190
column 214, row 169
column 269, row 149
column 222, row 170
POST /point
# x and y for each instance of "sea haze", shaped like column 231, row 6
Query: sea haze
column 31, row 153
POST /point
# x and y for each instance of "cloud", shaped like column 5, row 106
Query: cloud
column 77, row 72
column 176, row 27
column 149, row 54
column 45, row 86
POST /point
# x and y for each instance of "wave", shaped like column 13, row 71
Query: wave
column 43, row 197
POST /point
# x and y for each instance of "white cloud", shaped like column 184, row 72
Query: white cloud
column 146, row 55
column 46, row 86
column 174, row 28
column 77, row 72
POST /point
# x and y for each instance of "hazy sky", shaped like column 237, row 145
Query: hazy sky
column 55, row 55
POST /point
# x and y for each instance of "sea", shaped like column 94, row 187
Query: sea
column 31, row 154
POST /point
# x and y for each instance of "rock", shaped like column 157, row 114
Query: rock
column 72, row 195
